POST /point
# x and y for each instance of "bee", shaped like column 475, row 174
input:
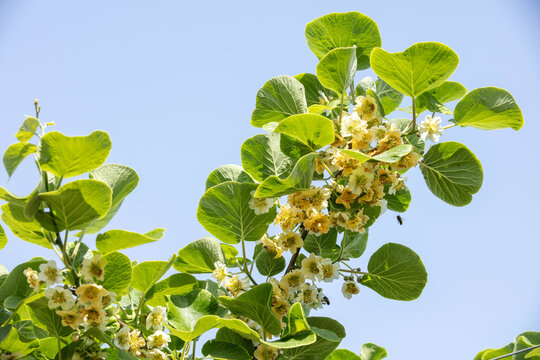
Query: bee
column 399, row 219
column 326, row 300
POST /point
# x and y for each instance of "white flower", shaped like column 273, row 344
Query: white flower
column 310, row 296
column 158, row 340
column 329, row 271
column 49, row 273
column 237, row 286
column 377, row 133
column 352, row 124
column 121, row 340
column 220, row 272
column 155, row 354
column 260, row 205
column 360, row 180
column 431, row 128
column 93, row 267
column 311, row 267
column 349, row 289
column 156, row 318
column 59, row 297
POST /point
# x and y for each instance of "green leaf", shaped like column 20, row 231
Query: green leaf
column 297, row 333
column 176, row 284
column 493, row 353
column 279, row 98
column 452, row 172
column 49, row 347
column 314, row 88
column 67, row 156
column 389, row 98
column 3, row 238
column 420, row 68
column 15, row 154
column 22, row 227
column 208, row 322
column 488, row 108
column 146, row 274
column 75, row 205
column 12, row 301
column 122, row 180
column 227, row 335
column 15, row 284
column 114, row 240
column 199, row 256
column 314, row 131
column 534, row 354
column 118, row 272
column 46, row 318
column 255, row 304
column 353, row 244
column 344, row 30
column 225, row 213
column 81, row 253
column 227, row 173
column 17, row 343
column 434, row 99
column 299, row 179
column 323, row 245
column 27, row 129
column 396, row 272
column 263, row 156
column 267, row 264
column 389, row 156
column 371, row 351
column 223, row 350
column 343, row 354
column 337, row 68
column 400, row 200
column 329, row 334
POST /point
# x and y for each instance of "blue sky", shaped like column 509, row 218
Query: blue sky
column 174, row 84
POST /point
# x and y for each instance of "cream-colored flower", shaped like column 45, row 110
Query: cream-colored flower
column 91, row 294
column 292, row 280
column 377, row 133
column 220, row 272
column 237, row 286
column 431, row 128
column 311, row 267
column 72, row 318
column 93, row 268
column 156, row 318
column 352, row 124
column 32, row 278
column 360, row 180
column 329, row 271
column 260, row 205
column 95, row 315
column 339, row 218
column 357, row 223
column 290, row 240
column 317, row 222
column 271, row 245
column 136, row 342
column 264, row 352
column 121, row 340
column 366, row 108
column 49, row 273
column 288, row 217
column 310, row 295
column 155, row 354
column 349, row 289
column 59, row 297
column 108, row 299
column 158, row 339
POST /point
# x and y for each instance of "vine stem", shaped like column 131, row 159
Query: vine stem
column 517, row 352
column 290, row 267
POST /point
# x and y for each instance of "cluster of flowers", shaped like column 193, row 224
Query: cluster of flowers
column 91, row 306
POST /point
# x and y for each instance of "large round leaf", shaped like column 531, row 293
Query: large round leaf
column 227, row 173
column 225, row 213
column 344, row 30
column 489, row 108
column 314, row 88
column 337, row 69
column 452, row 172
column 114, row 240
column 279, row 98
column 314, row 131
column 118, row 272
column 75, row 205
column 199, row 256
column 122, row 180
column 420, row 68
column 68, row 156
column 15, row 154
column 25, row 229
column 396, row 272
column 434, row 99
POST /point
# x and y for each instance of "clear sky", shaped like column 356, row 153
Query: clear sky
column 174, row 83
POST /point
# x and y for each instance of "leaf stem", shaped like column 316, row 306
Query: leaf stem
column 325, row 166
column 413, row 114
column 245, row 267
column 355, row 272
column 449, row 126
